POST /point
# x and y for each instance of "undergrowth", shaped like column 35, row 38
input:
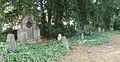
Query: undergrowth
column 34, row 52
column 52, row 50
column 94, row 39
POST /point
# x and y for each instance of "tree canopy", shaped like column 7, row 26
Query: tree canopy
column 54, row 16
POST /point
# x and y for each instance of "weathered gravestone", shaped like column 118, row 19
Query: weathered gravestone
column 23, row 37
column 82, row 36
column 29, row 30
column 111, row 26
column 65, row 43
column 10, row 42
column 99, row 29
column 59, row 37
column 103, row 30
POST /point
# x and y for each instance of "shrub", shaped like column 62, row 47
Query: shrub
column 35, row 52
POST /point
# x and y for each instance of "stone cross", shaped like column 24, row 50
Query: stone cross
column 59, row 37
column 10, row 42
column 65, row 43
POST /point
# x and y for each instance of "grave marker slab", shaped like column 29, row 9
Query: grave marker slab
column 65, row 43
column 10, row 42
column 59, row 37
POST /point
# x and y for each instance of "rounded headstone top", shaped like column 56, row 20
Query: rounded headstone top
column 59, row 37
column 27, row 18
column 10, row 36
column 27, row 21
column 64, row 39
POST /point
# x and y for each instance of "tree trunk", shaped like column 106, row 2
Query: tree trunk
column 44, row 33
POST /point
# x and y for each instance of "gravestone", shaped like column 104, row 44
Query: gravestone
column 82, row 36
column 29, row 30
column 99, row 29
column 59, row 37
column 10, row 42
column 111, row 27
column 103, row 30
column 23, row 37
column 65, row 43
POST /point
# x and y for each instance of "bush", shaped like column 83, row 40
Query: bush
column 35, row 52
column 117, row 25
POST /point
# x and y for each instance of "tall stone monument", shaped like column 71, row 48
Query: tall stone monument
column 29, row 32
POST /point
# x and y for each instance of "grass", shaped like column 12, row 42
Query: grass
column 95, row 39
column 109, row 33
column 52, row 50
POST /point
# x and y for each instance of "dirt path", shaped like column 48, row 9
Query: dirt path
column 109, row 52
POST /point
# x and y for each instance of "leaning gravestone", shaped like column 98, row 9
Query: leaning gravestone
column 65, row 43
column 10, row 42
column 59, row 37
